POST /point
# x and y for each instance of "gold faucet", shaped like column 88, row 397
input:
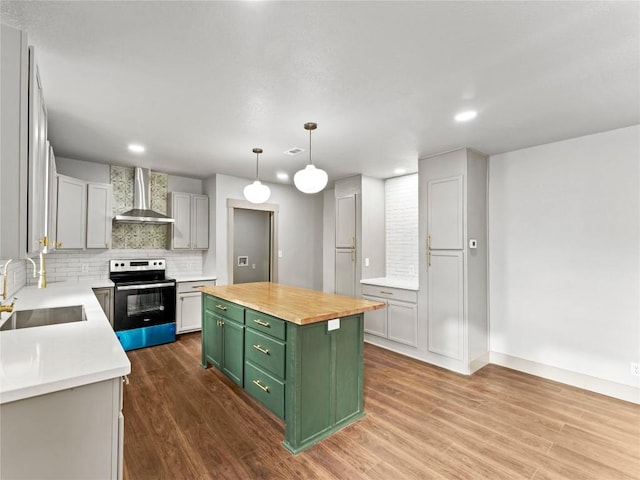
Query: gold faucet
column 5, row 308
column 42, row 274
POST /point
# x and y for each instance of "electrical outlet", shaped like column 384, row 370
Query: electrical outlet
column 635, row 369
column 84, row 267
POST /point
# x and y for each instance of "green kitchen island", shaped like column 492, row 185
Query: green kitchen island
column 298, row 352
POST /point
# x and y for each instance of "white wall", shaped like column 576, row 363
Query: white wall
column 299, row 231
column 564, row 254
column 87, row 171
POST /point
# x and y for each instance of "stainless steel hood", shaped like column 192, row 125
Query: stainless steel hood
column 141, row 211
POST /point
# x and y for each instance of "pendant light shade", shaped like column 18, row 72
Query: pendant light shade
column 256, row 192
column 310, row 179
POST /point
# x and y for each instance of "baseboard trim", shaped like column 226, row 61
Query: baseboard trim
column 627, row 393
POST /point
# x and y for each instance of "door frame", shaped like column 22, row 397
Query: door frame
column 273, row 209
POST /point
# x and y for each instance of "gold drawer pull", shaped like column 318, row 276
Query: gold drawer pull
column 386, row 293
column 260, row 322
column 221, row 307
column 260, row 386
column 261, row 350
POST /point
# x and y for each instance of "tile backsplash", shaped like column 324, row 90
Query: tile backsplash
column 138, row 236
column 401, row 226
column 93, row 266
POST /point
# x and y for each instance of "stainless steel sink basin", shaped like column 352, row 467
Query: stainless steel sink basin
column 44, row 316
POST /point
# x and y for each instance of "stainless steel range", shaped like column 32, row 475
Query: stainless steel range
column 144, row 302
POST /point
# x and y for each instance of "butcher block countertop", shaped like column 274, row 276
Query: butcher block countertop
column 293, row 304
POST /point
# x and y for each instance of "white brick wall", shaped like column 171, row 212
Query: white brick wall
column 401, row 219
column 68, row 266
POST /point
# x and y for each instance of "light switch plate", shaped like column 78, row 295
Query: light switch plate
column 333, row 324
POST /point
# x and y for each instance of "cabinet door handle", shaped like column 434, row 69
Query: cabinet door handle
column 429, row 259
column 260, row 386
column 261, row 323
column 428, row 242
column 221, row 307
column 261, row 350
column 386, row 293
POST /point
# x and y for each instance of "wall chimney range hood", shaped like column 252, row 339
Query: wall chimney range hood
column 141, row 211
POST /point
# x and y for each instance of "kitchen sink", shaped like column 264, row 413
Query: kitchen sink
column 44, row 316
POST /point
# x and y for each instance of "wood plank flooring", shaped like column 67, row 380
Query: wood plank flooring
column 423, row 422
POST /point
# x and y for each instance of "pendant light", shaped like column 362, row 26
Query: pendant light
column 256, row 192
column 310, row 179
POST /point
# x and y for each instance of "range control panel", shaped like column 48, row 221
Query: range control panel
column 137, row 265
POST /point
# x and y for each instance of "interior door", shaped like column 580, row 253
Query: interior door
column 251, row 246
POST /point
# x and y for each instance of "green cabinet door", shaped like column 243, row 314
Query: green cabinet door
column 233, row 351
column 211, row 339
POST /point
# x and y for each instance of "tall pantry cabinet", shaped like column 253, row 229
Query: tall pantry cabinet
column 453, row 259
column 359, row 242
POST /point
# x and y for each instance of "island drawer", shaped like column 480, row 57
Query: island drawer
column 267, row 324
column 265, row 388
column 226, row 309
column 390, row 293
column 265, row 351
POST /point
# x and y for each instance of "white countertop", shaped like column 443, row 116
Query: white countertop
column 194, row 278
column 39, row 360
column 405, row 283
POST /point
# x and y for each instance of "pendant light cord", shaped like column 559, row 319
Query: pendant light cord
column 310, row 161
column 257, row 177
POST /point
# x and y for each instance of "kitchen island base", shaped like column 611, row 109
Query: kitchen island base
column 311, row 375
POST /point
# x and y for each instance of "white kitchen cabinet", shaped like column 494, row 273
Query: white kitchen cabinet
column 360, row 236
column 99, row 215
column 453, row 278
column 37, row 166
column 72, row 213
column 14, row 127
column 190, row 231
column 52, row 200
column 105, row 298
column 83, row 214
column 189, row 305
column 346, row 221
column 446, row 304
column 397, row 322
column 71, row 434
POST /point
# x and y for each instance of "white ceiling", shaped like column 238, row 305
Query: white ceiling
column 202, row 83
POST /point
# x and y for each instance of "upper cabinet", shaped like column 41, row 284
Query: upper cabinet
column 51, row 226
column 191, row 214
column 72, row 213
column 83, row 214
column 99, row 215
column 14, row 126
column 37, row 190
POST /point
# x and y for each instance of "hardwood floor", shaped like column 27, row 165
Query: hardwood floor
column 423, row 422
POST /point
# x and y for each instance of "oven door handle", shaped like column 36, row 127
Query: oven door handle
column 145, row 286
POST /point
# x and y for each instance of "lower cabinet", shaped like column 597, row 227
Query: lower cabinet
column 399, row 320
column 72, row 434
column 105, row 297
column 223, row 338
column 189, row 305
column 265, row 355
column 310, row 376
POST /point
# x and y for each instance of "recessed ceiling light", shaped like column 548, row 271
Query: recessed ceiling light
column 136, row 148
column 466, row 116
column 293, row 151
column 282, row 176
column 400, row 171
